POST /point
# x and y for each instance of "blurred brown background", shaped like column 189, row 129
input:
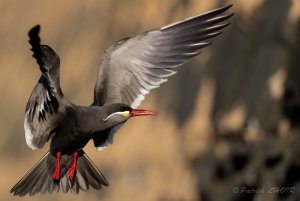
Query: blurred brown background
column 226, row 122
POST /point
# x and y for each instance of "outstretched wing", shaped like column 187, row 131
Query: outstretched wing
column 134, row 66
column 42, row 110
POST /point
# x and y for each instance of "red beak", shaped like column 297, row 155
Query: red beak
column 139, row 112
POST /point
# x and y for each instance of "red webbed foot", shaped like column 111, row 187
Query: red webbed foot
column 72, row 169
column 56, row 174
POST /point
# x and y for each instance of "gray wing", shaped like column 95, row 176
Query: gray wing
column 134, row 66
column 41, row 112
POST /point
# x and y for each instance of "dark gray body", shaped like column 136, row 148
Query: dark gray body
column 78, row 126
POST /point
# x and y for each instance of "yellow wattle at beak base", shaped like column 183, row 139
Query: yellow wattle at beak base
column 125, row 114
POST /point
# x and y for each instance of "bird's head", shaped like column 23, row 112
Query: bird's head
column 119, row 113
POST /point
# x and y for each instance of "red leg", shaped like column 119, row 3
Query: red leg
column 72, row 169
column 56, row 175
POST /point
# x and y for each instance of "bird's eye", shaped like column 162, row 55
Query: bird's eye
column 126, row 109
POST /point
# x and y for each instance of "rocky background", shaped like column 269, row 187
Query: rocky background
column 227, row 125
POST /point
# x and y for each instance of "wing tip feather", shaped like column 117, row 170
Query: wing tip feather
column 214, row 13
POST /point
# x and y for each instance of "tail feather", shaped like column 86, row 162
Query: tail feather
column 64, row 184
column 82, row 182
column 90, row 173
column 34, row 184
column 40, row 178
column 25, row 184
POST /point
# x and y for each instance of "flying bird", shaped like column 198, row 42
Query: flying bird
column 129, row 70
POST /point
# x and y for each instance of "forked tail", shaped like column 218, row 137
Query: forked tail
column 40, row 178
